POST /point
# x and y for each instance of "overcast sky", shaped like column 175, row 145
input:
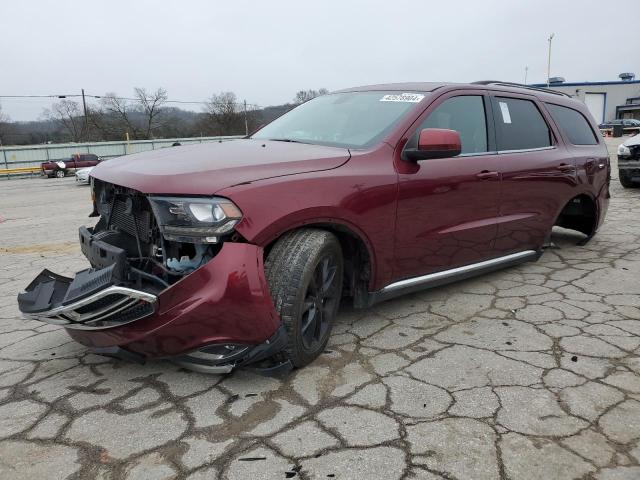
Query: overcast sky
column 265, row 51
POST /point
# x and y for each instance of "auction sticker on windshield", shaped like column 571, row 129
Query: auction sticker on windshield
column 403, row 97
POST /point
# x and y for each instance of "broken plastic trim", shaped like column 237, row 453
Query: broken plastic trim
column 71, row 316
column 221, row 358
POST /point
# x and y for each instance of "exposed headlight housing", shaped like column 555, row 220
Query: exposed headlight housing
column 624, row 150
column 195, row 220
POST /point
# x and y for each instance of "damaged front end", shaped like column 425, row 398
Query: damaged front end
column 133, row 258
column 159, row 285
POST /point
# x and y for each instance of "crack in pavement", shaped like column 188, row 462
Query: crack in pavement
column 529, row 372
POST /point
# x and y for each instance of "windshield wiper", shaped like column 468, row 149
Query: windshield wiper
column 290, row 140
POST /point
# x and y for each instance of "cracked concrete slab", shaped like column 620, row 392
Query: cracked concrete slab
column 530, row 372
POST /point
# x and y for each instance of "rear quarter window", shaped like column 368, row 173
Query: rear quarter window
column 573, row 125
column 519, row 125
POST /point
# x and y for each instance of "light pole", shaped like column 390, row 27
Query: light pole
column 526, row 72
column 86, row 120
column 549, row 59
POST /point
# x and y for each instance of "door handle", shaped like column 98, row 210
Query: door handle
column 487, row 175
column 565, row 167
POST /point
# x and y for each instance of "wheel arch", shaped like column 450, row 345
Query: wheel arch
column 580, row 213
column 357, row 251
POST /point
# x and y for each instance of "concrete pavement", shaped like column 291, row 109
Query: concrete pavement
column 527, row 373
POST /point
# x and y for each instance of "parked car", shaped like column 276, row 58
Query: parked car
column 61, row 168
column 82, row 175
column 625, row 122
column 223, row 254
column 629, row 162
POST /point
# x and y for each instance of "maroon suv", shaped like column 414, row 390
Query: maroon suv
column 223, row 254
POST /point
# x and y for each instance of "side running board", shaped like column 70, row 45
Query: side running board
column 448, row 276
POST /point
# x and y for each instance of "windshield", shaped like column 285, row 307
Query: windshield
column 350, row 119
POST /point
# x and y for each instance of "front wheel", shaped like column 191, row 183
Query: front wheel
column 60, row 174
column 304, row 271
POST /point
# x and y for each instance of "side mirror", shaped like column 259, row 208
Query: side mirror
column 435, row 143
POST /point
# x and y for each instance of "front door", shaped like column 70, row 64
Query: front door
column 448, row 208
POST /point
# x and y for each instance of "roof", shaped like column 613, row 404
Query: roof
column 484, row 85
column 399, row 87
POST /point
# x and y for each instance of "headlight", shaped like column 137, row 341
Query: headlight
column 624, row 150
column 195, row 220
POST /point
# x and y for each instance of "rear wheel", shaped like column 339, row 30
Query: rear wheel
column 625, row 179
column 60, row 174
column 304, row 271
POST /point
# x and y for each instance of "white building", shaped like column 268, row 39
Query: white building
column 605, row 100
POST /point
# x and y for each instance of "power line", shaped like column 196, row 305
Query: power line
column 39, row 96
column 129, row 99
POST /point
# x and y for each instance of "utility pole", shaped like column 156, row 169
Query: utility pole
column 526, row 71
column 86, row 120
column 549, row 59
column 246, row 124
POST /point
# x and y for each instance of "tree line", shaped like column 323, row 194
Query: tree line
column 148, row 114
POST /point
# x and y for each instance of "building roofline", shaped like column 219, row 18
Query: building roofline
column 626, row 106
column 585, row 84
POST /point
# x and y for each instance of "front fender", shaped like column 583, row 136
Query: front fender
column 357, row 197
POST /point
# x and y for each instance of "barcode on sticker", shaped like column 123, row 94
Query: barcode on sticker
column 504, row 109
column 403, row 97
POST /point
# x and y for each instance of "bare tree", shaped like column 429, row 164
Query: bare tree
column 306, row 95
column 4, row 118
column 4, row 126
column 115, row 113
column 151, row 105
column 68, row 114
column 141, row 116
column 224, row 112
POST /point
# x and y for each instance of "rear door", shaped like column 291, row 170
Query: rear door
column 538, row 172
column 448, row 207
column 84, row 161
column 89, row 160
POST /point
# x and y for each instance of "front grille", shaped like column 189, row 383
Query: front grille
column 111, row 307
column 100, row 304
column 124, row 221
column 141, row 310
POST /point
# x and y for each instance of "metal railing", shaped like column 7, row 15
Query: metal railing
column 29, row 157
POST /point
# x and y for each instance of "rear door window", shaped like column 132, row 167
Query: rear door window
column 464, row 114
column 519, row 125
column 573, row 125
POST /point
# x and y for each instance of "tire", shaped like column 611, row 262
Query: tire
column 625, row 180
column 59, row 173
column 304, row 272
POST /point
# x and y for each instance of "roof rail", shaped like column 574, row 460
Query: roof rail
column 520, row 85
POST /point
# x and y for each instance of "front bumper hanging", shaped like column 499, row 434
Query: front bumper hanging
column 226, row 301
column 96, row 298
column 90, row 301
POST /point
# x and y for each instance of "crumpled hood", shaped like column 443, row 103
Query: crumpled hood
column 206, row 168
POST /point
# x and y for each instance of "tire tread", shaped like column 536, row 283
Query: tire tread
column 285, row 268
